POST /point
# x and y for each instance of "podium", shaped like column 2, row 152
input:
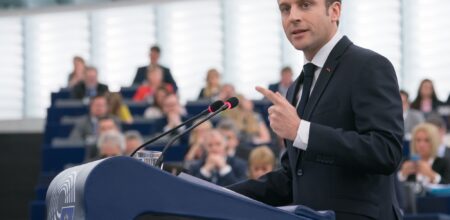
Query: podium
column 125, row 188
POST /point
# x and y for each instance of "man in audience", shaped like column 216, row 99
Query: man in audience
column 229, row 130
column 411, row 117
column 154, row 55
column 217, row 167
column 110, row 144
column 261, row 161
column 285, row 82
column 174, row 114
column 227, row 91
column 133, row 140
column 438, row 121
column 87, row 127
column 90, row 86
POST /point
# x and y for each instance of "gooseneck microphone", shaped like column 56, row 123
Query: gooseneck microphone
column 211, row 108
column 229, row 104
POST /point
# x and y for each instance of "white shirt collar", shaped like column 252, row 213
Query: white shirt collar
column 321, row 57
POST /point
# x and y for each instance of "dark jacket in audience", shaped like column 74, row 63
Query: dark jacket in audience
column 141, row 76
column 440, row 166
column 79, row 91
column 238, row 172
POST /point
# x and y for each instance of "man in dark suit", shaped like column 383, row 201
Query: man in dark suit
column 141, row 75
column 89, row 87
column 439, row 122
column 341, row 121
column 285, row 82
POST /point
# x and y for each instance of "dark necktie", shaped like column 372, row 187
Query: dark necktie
column 308, row 70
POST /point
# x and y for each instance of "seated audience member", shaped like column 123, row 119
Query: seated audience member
column 428, row 168
column 227, row 91
column 228, row 129
column 251, row 125
column 133, row 140
column 86, row 127
column 260, row 162
column 118, row 108
column 105, row 124
column 110, row 144
column 212, row 89
column 196, row 142
column 426, row 100
column 438, row 121
column 90, row 86
column 217, row 167
column 155, row 111
column 146, row 91
column 154, row 56
column 411, row 117
column 77, row 75
column 285, row 82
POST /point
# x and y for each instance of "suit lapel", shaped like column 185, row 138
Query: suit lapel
column 322, row 82
column 325, row 75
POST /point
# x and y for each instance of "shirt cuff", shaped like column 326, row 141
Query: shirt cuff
column 400, row 177
column 225, row 170
column 437, row 179
column 301, row 140
column 205, row 173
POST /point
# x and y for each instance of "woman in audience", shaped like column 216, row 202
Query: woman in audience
column 213, row 87
column 196, row 142
column 77, row 75
column 155, row 111
column 118, row 108
column 425, row 167
column 260, row 162
column 250, row 123
column 217, row 167
column 146, row 91
column 426, row 100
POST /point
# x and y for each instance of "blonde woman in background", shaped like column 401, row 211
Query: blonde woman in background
column 118, row 108
column 250, row 123
column 213, row 86
column 260, row 162
column 426, row 168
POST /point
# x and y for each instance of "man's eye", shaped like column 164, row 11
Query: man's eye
column 284, row 9
column 306, row 5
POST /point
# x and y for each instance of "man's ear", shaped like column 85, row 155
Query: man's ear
column 335, row 11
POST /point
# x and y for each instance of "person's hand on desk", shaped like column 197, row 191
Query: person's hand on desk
column 408, row 168
column 283, row 117
column 425, row 169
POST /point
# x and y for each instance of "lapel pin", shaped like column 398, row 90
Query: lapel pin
column 328, row 69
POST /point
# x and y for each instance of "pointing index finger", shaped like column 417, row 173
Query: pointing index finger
column 269, row 95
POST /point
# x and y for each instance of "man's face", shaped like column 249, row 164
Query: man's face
column 154, row 57
column 309, row 24
column 215, row 144
column 171, row 105
column 286, row 77
column 107, row 125
column 99, row 107
column 232, row 140
column 109, row 149
column 91, row 77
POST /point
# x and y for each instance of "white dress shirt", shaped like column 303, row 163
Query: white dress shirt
column 301, row 140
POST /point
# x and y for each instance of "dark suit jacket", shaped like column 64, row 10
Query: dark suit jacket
column 141, row 76
column 79, row 90
column 238, row 171
column 355, row 141
column 440, row 166
column 274, row 87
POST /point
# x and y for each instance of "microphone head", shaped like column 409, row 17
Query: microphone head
column 215, row 106
column 232, row 102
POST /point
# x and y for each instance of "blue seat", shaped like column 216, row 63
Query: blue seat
column 56, row 159
column 62, row 94
column 128, row 92
column 54, row 131
column 54, row 114
column 145, row 128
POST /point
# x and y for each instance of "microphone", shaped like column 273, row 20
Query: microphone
column 211, row 108
column 229, row 104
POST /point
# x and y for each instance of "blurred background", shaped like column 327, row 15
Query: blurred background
column 242, row 39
